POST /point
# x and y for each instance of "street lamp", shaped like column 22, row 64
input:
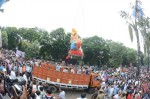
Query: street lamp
column 108, row 60
column 101, row 52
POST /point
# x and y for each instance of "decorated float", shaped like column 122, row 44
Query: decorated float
column 75, row 51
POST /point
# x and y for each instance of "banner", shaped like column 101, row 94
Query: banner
column 20, row 54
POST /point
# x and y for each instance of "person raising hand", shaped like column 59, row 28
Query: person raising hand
column 25, row 94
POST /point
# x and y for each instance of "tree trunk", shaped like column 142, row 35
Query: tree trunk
column 138, row 41
column 148, row 61
column 138, row 56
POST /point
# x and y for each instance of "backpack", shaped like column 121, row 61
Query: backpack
column 49, row 97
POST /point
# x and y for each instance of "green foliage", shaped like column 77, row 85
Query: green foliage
column 13, row 39
column 29, row 34
column 130, row 32
column 4, row 39
column 121, row 55
column 92, row 47
column 56, row 44
column 131, row 56
column 58, row 49
column 117, row 51
column 45, row 44
column 31, row 49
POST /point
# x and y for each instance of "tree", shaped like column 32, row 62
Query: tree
column 55, row 46
column 92, row 47
column 31, row 49
column 120, row 55
column 58, row 44
column 144, row 24
column 67, row 43
column 13, row 38
column 133, row 26
column 30, row 34
column 117, row 53
column 4, row 39
column 45, row 44
column 131, row 56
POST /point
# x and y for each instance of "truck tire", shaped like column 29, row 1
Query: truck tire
column 54, row 88
column 91, row 90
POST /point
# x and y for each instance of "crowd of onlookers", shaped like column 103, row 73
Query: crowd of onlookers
column 124, row 85
column 18, row 66
column 115, row 84
column 15, row 66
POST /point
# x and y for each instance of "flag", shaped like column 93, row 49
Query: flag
column 139, row 12
column 20, row 54
column 2, row 2
column 139, row 2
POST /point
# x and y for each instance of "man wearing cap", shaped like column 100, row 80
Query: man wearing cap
column 101, row 94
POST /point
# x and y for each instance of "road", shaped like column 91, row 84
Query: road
column 69, row 95
column 74, row 94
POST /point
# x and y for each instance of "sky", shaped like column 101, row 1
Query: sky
column 89, row 17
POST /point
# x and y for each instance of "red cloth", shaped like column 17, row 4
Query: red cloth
column 129, row 96
column 67, row 57
column 79, row 42
column 145, row 87
column 76, row 53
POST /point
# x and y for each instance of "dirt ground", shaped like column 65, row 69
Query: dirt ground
column 74, row 94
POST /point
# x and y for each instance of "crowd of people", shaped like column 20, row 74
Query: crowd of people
column 115, row 83
column 19, row 67
column 15, row 66
column 124, row 85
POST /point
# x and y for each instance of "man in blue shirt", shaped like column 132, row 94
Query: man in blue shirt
column 2, row 68
column 28, row 68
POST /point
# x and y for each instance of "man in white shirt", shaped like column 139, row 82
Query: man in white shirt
column 58, row 67
column 72, row 71
column 136, row 82
column 12, row 73
column 111, row 91
column 65, row 70
column 25, row 77
column 117, row 96
column 61, row 94
column 20, row 70
column 38, row 95
column 103, row 85
column 125, row 87
column 79, row 71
